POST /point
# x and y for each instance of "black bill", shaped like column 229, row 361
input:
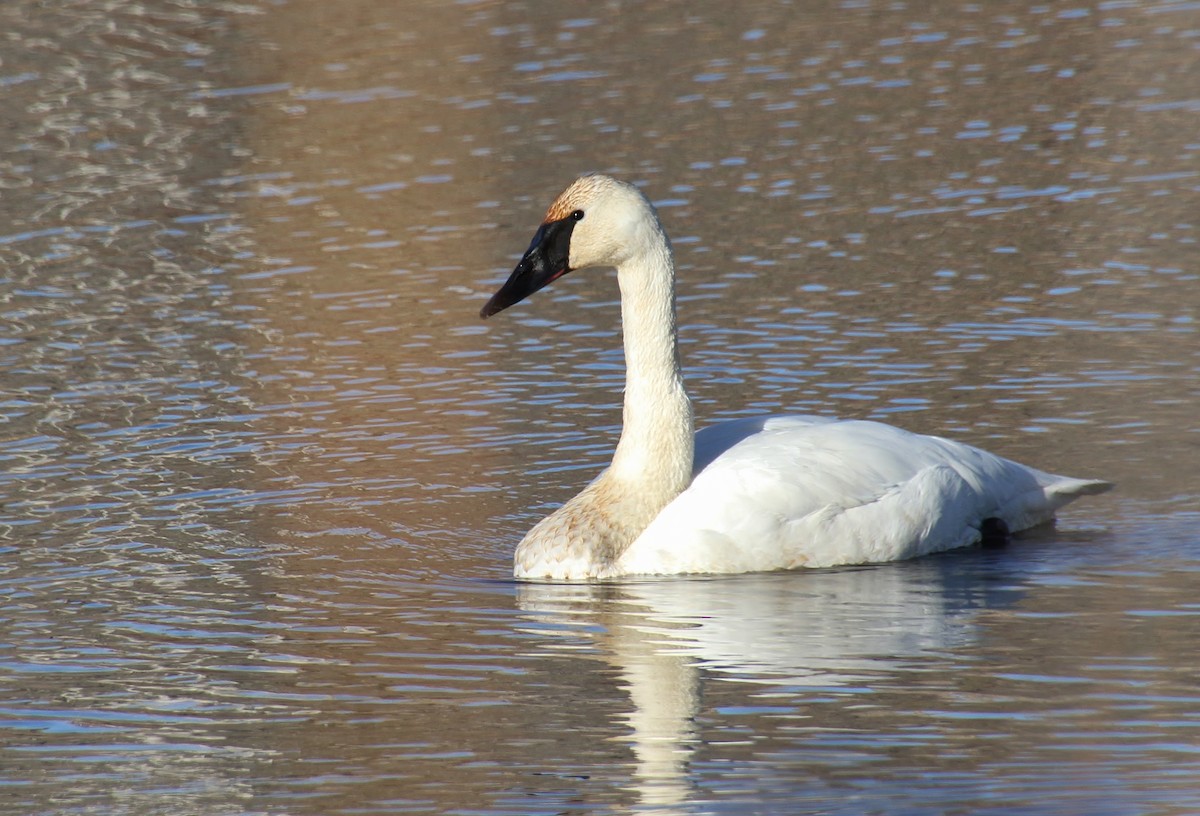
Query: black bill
column 544, row 262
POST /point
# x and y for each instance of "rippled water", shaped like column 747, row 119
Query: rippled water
column 263, row 468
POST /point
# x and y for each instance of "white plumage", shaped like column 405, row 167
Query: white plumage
column 752, row 494
column 816, row 492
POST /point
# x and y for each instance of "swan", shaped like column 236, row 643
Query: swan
column 752, row 494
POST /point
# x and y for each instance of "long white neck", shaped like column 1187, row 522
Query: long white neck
column 654, row 455
column 653, row 461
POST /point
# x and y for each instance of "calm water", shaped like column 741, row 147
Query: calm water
column 262, row 467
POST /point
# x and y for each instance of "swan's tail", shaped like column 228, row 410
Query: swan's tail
column 1064, row 489
column 1039, row 506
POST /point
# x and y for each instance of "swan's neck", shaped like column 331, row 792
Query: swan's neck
column 654, row 455
column 653, row 461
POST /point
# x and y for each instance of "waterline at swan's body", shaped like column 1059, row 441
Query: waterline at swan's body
column 753, row 494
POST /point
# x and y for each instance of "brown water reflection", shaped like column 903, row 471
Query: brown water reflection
column 993, row 243
column 264, row 467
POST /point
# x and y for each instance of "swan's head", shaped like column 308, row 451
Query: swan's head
column 597, row 221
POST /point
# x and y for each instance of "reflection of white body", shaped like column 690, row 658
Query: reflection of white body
column 753, row 494
column 837, row 628
column 828, row 629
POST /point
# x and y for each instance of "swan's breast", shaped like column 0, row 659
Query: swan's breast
column 586, row 536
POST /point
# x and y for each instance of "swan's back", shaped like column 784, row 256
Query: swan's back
column 785, row 492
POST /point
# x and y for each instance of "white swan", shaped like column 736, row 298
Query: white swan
column 752, row 494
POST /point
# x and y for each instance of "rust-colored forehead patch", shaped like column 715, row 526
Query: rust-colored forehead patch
column 575, row 197
column 560, row 209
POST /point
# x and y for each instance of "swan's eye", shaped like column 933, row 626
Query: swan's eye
column 577, row 215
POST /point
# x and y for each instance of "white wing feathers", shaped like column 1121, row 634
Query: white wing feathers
column 808, row 491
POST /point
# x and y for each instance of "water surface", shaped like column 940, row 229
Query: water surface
column 263, row 468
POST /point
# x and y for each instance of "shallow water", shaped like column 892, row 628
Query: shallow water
column 263, row 468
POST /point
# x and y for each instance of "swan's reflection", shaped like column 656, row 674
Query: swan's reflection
column 816, row 629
